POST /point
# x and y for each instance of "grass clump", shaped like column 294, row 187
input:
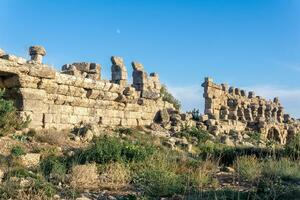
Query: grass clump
column 292, row 147
column 114, row 176
column 248, row 167
column 283, row 168
column 159, row 176
column 54, row 168
column 109, row 149
column 84, row 177
column 17, row 151
column 201, row 135
column 202, row 174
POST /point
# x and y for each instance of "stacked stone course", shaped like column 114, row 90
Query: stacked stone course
column 77, row 93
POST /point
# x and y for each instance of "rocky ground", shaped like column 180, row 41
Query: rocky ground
column 27, row 157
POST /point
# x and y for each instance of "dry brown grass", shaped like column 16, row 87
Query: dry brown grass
column 85, row 177
column 114, row 176
column 203, row 174
column 53, row 137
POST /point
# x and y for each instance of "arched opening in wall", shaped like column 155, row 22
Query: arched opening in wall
column 10, row 82
column 274, row 135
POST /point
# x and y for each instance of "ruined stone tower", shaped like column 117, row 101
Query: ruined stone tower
column 229, row 108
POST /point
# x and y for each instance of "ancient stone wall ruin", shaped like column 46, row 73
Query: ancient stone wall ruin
column 78, row 94
column 228, row 108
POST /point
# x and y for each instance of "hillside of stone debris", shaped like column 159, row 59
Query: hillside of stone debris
column 90, row 163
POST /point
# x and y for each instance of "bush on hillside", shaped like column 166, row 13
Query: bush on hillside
column 248, row 167
column 292, row 148
column 201, row 135
column 195, row 114
column 109, row 149
column 283, row 168
column 167, row 96
column 159, row 182
column 17, row 151
column 54, row 168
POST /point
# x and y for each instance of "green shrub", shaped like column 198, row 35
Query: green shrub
column 254, row 137
column 54, row 167
column 284, row 169
column 160, row 175
column 248, row 167
column 156, row 182
column 20, row 172
column 275, row 189
column 203, row 174
column 108, row 149
column 17, row 151
column 136, row 152
column 104, row 150
column 201, row 135
column 292, row 148
column 167, row 96
column 195, row 114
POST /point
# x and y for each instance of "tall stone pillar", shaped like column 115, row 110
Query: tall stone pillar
column 280, row 117
column 140, row 77
column 274, row 113
column 254, row 109
column 248, row 114
column 118, row 71
column 37, row 53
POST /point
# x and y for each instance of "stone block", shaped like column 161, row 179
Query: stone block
column 34, row 105
column 203, row 118
column 30, row 159
column 42, row 72
column 34, row 94
column 63, row 89
column 92, row 93
column 48, row 85
column 81, row 111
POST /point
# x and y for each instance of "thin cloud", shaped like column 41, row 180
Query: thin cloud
column 296, row 68
column 290, row 66
column 190, row 96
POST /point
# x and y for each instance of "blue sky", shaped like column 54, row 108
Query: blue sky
column 253, row 44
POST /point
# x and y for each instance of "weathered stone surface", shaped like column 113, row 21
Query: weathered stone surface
column 163, row 116
column 30, row 159
column 118, row 71
column 42, row 72
column 37, row 53
column 230, row 109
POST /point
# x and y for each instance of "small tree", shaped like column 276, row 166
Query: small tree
column 167, row 96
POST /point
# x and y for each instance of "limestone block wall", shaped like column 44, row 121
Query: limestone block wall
column 233, row 108
column 77, row 94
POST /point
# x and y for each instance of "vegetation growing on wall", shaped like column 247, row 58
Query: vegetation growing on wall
column 167, row 96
